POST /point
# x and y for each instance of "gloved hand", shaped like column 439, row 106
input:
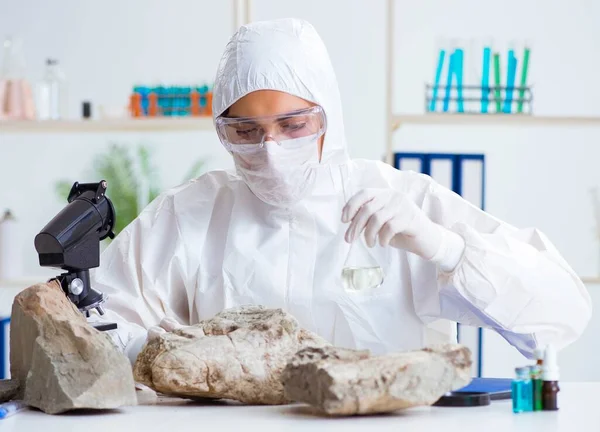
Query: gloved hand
column 166, row 325
column 134, row 347
column 393, row 218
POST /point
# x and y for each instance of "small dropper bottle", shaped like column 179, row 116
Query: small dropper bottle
column 550, row 376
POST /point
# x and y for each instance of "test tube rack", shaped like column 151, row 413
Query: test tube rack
column 175, row 101
column 470, row 99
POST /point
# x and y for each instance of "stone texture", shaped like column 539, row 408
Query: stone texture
column 238, row 354
column 8, row 389
column 347, row 382
column 64, row 362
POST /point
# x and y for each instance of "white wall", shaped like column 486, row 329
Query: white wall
column 536, row 176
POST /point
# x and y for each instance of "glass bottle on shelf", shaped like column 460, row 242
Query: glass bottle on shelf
column 52, row 94
column 16, row 98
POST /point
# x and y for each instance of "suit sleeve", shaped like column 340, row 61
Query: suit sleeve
column 511, row 280
column 142, row 274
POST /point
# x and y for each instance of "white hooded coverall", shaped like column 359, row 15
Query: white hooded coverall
column 211, row 244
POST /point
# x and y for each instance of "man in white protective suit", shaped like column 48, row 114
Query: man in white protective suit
column 277, row 232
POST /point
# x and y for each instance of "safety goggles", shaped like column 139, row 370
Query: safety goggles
column 247, row 134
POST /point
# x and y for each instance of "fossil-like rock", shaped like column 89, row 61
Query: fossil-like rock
column 346, row 382
column 238, row 354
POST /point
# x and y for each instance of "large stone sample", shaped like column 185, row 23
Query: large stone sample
column 238, row 354
column 62, row 361
column 347, row 382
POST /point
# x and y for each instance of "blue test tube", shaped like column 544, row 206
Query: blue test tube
column 160, row 93
column 449, row 81
column 485, row 80
column 458, row 70
column 510, row 81
column 187, row 101
column 174, row 101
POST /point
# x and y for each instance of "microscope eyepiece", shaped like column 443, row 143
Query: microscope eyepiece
column 71, row 241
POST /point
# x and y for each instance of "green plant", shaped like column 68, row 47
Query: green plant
column 133, row 180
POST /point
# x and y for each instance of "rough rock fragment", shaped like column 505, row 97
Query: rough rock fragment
column 346, row 382
column 238, row 354
column 8, row 389
column 62, row 361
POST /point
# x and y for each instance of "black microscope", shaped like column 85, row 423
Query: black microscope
column 71, row 241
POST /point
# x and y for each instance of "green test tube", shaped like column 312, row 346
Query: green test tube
column 523, row 79
column 497, row 82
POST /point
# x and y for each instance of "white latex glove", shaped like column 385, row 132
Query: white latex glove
column 135, row 346
column 166, row 325
column 397, row 221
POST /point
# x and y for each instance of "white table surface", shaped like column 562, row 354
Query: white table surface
column 578, row 402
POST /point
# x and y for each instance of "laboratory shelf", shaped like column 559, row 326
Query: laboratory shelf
column 492, row 119
column 397, row 121
column 163, row 124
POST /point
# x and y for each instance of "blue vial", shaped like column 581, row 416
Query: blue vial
column 143, row 91
column 186, row 101
column 522, row 391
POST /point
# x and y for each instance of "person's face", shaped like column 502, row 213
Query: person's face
column 269, row 102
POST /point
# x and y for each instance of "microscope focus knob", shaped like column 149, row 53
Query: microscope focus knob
column 76, row 286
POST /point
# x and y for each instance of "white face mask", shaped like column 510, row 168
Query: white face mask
column 280, row 174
